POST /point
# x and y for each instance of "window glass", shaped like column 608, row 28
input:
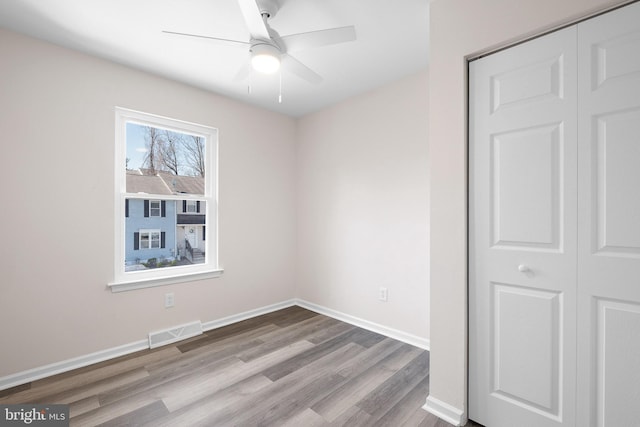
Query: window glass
column 177, row 158
column 167, row 171
column 144, row 241
column 154, row 208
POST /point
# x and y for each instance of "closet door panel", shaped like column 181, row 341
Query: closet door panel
column 522, row 234
column 615, row 156
column 609, row 219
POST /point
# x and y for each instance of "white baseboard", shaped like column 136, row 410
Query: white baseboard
column 443, row 410
column 214, row 324
column 70, row 364
column 100, row 356
column 414, row 340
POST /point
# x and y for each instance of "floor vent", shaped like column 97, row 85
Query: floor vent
column 177, row 333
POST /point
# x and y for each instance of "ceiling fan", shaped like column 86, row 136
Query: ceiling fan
column 268, row 50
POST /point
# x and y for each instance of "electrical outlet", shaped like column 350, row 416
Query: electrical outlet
column 383, row 294
column 169, row 300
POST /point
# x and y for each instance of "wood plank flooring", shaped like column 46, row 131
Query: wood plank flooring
column 292, row 367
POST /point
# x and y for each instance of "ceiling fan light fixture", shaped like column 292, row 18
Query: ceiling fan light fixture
column 265, row 58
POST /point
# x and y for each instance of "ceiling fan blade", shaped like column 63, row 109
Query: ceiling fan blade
column 253, row 18
column 207, row 37
column 300, row 70
column 319, row 38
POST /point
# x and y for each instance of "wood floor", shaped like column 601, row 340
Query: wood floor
column 292, row 367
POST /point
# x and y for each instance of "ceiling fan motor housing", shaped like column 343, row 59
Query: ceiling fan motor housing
column 268, row 50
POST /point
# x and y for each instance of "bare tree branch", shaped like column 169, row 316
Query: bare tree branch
column 169, row 151
column 174, row 152
column 194, row 152
column 152, row 142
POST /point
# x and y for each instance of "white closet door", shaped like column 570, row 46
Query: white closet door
column 609, row 220
column 522, row 245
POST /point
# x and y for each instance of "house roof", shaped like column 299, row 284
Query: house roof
column 151, row 184
column 183, row 184
column 163, row 183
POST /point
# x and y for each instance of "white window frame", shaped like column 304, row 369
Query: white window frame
column 129, row 280
column 158, row 209
column 150, row 233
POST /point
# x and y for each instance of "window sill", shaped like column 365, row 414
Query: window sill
column 124, row 286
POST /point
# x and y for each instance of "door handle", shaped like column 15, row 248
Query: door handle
column 523, row 268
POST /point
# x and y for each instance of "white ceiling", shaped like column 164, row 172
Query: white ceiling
column 392, row 42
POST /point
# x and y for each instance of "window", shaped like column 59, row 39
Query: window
column 149, row 239
column 192, row 206
column 154, row 208
column 164, row 168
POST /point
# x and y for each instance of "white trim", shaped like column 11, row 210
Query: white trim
column 443, row 410
column 70, row 364
column 158, row 277
column 162, row 281
column 100, row 356
column 414, row 340
column 214, row 324
column 159, row 202
column 149, row 231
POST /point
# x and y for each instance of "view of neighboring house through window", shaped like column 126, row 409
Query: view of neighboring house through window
column 165, row 197
column 154, row 207
column 149, row 239
column 191, row 206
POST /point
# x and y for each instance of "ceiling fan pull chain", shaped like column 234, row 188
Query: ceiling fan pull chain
column 280, row 93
